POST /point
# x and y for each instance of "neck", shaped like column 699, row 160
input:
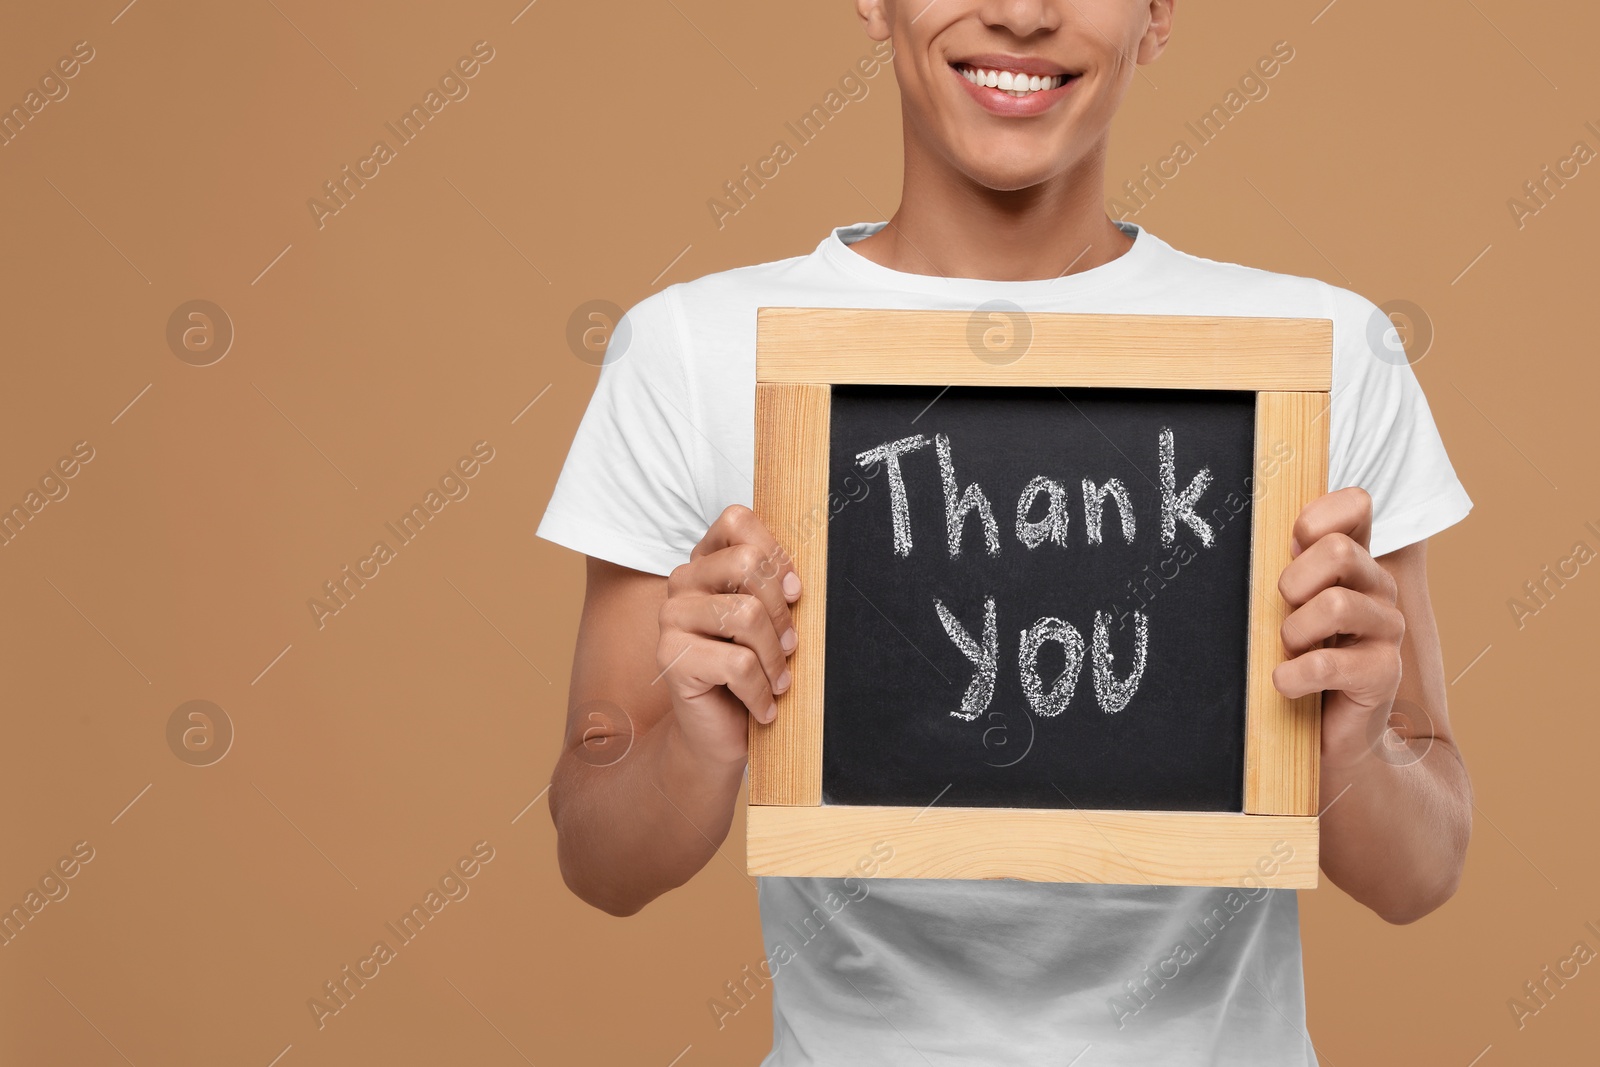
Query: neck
column 951, row 226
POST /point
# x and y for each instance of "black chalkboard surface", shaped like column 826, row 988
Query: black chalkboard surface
column 924, row 702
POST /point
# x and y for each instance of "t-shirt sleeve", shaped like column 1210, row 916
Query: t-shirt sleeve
column 1382, row 435
column 626, row 492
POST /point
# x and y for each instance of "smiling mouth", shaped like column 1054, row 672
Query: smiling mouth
column 1013, row 83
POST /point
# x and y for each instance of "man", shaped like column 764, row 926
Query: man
column 1007, row 108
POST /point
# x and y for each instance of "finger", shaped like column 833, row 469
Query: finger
column 716, row 723
column 733, row 617
column 739, row 569
column 1339, row 611
column 745, row 679
column 1346, row 511
column 1366, row 672
column 1335, row 559
column 700, row 664
column 738, row 525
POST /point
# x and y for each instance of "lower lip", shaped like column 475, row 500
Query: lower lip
column 1000, row 102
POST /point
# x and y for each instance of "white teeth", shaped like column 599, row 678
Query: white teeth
column 1011, row 82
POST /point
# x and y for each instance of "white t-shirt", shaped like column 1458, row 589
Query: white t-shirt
column 931, row 971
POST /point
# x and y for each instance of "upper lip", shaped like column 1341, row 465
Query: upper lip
column 1030, row 65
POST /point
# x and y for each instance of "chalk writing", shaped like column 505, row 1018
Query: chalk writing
column 1111, row 693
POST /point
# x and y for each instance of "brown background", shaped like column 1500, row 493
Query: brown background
column 370, row 754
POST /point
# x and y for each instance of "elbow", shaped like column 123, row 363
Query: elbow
column 586, row 880
column 613, row 904
column 619, row 910
column 1429, row 889
column 1423, row 898
column 595, row 891
column 1418, row 905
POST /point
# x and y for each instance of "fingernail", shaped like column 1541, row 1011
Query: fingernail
column 772, row 713
column 789, row 639
column 791, row 585
column 782, row 684
column 1294, row 548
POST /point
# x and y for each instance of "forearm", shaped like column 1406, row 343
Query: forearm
column 630, row 831
column 1394, row 830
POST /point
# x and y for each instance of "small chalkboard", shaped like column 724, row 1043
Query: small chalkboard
column 1041, row 612
column 1039, row 599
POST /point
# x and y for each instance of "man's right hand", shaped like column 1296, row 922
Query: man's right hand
column 726, row 634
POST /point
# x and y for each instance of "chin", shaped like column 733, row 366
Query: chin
column 1007, row 173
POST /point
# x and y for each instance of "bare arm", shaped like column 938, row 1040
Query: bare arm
column 666, row 673
column 1395, row 796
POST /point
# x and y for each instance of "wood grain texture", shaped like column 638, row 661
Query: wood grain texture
column 1113, row 847
column 848, row 346
column 1282, row 736
column 791, row 497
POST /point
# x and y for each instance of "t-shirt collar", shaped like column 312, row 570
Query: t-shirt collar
column 835, row 249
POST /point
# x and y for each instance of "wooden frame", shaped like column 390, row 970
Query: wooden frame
column 800, row 354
